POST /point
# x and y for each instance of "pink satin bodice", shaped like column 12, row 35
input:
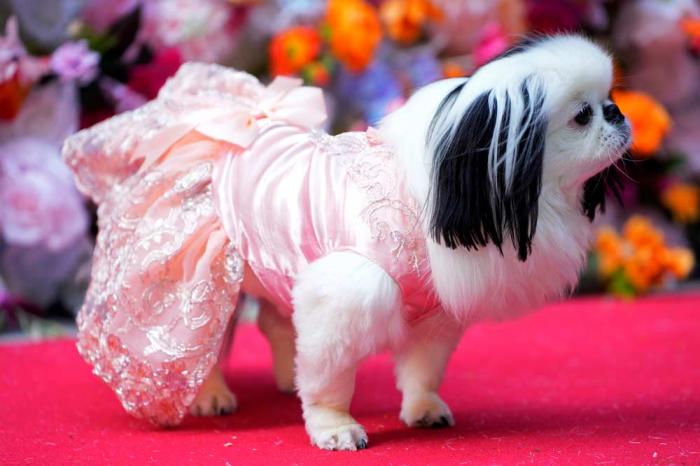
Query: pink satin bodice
column 294, row 196
column 217, row 171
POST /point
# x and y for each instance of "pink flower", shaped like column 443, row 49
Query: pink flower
column 15, row 62
column 202, row 30
column 74, row 61
column 11, row 50
column 493, row 42
column 39, row 204
column 147, row 79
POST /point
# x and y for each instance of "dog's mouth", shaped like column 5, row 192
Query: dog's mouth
column 625, row 133
column 609, row 174
column 614, row 157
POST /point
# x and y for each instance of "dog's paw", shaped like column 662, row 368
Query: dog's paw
column 348, row 437
column 426, row 410
column 214, row 400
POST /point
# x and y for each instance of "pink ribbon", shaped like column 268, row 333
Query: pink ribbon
column 285, row 99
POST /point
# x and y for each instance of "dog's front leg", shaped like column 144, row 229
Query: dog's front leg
column 344, row 310
column 420, row 364
column 325, row 398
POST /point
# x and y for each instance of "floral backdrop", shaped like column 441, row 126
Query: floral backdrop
column 67, row 64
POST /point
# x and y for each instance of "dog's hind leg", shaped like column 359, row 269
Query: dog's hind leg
column 280, row 333
column 214, row 397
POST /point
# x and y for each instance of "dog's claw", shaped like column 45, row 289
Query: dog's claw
column 218, row 401
column 426, row 411
column 350, row 437
column 440, row 423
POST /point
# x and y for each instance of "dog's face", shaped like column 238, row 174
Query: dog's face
column 539, row 115
column 586, row 134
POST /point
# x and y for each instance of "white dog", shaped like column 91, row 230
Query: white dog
column 501, row 162
column 475, row 201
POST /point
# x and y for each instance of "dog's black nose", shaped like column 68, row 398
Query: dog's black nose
column 612, row 114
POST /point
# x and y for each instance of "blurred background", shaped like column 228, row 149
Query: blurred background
column 68, row 64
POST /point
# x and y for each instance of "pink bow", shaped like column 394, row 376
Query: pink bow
column 285, row 99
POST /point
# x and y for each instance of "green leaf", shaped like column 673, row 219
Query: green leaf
column 124, row 32
column 98, row 42
column 621, row 286
column 326, row 32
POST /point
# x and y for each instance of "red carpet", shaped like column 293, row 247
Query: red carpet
column 586, row 382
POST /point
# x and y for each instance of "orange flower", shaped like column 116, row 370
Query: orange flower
column 650, row 121
column 683, row 200
column 610, row 251
column 355, row 32
column 639, row 259
column 639, row 232
column 293, row 49
column 643, row 269
column 691, row 26
column 405, row 19
column 12, row 94
column 679, row 261
column 451, row 69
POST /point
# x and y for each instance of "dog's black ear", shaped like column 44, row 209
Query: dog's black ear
column 487, row 168
column 597, row 186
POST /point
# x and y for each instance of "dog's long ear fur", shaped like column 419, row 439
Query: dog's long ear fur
column 487, row 168
column 595, row 188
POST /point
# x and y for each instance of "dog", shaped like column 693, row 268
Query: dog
column 472, row 201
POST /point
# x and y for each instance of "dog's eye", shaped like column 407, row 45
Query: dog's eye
column 583, row 117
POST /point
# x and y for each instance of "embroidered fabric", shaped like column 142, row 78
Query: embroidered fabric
column 392, row 215
column 220, row 170
column 164, row 278
column 103, row 156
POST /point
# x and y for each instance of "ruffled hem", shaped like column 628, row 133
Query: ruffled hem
column 165, row 278
column 103, row 156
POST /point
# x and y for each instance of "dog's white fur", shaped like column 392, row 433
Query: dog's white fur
column 347, row 308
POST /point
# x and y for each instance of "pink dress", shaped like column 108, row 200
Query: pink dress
column 216, row 171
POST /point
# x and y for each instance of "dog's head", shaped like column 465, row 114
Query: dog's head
column 539, row 114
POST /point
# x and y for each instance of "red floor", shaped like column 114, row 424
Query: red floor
column 587, row 382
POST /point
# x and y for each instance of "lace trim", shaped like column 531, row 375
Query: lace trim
column 371, row 166
column 148, row 331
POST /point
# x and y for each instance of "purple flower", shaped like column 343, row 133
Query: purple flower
column 37, row 276
column 39, row 205
column 74, row 61
column 5, row 297
column 420, row 64
column 375, row 90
